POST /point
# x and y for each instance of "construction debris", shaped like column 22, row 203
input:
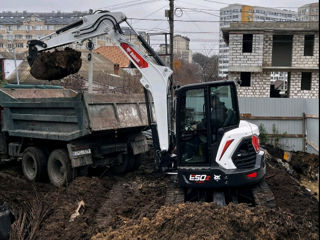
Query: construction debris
column 56, row 65
column 77, row 212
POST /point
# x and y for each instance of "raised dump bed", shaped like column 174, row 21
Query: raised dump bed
column 54, row 129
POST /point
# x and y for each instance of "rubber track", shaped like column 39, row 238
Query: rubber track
column 263, row 195
column 175, row 195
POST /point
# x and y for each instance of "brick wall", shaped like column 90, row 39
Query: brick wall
column 295, row 86
column 267, row 50
column 259, row 87
column 239, row 61
column 298, row 58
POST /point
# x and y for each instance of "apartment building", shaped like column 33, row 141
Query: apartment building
column 309, row 12
column 181, row 49
column 17, row 28
column 245, row 13
column 258, row 48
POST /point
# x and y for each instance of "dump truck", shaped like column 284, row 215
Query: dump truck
column 60, row 133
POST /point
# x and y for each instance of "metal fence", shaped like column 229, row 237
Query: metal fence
column 294, row 122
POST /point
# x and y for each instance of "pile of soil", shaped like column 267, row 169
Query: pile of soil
column 305, row 164
column 208, row 221
column 56, row 65
column 133, row 205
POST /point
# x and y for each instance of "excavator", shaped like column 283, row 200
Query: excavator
column 209, row 152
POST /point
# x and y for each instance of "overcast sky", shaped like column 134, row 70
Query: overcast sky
column 204, row 36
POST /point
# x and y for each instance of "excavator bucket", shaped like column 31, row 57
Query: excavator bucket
column 56, row 65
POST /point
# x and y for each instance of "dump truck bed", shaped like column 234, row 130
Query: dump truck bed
column 63, row 114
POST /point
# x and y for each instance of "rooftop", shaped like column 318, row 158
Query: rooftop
column 114, row 54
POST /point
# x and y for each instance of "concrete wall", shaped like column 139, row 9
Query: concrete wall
column 9, row 67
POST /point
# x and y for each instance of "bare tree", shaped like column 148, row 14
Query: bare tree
column 209, row 66
column 186, row 73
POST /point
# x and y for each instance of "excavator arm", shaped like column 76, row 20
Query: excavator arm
column 155, row 75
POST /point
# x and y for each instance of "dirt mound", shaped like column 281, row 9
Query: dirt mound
column 140, row 198
column 208, row 221
column 56, row 65
column 133, row 204
column 305, row 164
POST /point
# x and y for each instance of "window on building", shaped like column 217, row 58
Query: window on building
column 308, row 45
column 247, row 43
column 1, row 36
column 282, row 50
column 245, row 78
column 1, row 45
column 306, row 80
column 19, row 45
column 29, row 37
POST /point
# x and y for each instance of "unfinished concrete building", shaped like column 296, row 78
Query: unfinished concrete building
column 256, row 49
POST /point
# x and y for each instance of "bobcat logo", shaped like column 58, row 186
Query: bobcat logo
column 216, row 177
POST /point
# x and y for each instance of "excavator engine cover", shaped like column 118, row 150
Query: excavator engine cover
column 56, row 65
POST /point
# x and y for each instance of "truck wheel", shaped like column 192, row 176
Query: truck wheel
column 59, row 168
column 123, row 167
column 134, row 162
column 137, row 161
column 34, row 164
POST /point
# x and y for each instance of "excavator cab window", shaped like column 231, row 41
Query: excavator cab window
column 193, row 127
column 204, row 113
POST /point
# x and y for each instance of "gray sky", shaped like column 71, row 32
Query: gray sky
column 205, row 38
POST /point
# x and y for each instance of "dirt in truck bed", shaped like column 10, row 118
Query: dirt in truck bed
column 133, row 207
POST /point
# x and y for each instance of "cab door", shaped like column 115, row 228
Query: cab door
column 192, row 127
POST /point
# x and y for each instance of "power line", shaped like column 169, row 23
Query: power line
column 239, row 4
column 196, row 20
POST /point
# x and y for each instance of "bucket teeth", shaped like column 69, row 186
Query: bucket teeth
column 56, row 65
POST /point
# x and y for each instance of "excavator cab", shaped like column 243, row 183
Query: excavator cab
column 217, row 154
column 205, row 112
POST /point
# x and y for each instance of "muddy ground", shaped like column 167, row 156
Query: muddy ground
column 133, row 207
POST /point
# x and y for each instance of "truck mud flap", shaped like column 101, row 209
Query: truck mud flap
column 6, row 218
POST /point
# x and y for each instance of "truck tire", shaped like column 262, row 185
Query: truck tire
column 134, row 162
column 59, row 168
column 137, row 161
column 34, row 164
column 123, row 167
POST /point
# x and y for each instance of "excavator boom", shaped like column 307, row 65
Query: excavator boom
column 155, row 77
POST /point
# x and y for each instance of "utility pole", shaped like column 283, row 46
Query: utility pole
column 171, row 24
column 171, row 107
column 15, row 65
